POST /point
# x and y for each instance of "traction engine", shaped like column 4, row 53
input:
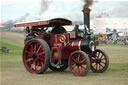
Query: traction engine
column 49, row 45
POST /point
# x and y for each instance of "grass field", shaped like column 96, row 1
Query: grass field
column 12, row 71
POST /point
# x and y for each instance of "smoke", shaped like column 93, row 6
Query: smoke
column 23, row 18
column 44, row 6
column 87, row 3
column 10, row 23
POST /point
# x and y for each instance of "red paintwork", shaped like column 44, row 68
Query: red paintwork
column 76, row 44
column 57, row 39
column 67, row 46
column 66, row 52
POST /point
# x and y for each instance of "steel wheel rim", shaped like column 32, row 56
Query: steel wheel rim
column 78, row 69
column 34, row 56
column 98, row 63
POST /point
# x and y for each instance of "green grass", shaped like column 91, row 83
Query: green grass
column 14, row 50
column 112, row 45
column 12, row 41
column 13, row 72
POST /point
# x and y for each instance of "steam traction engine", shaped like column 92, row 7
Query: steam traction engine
column 57, row 49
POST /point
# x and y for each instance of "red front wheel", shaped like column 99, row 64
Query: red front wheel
column 79, row 63
column 36, row 55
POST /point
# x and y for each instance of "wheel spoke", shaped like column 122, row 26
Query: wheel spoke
column 38, row 49
column 78, row 69
column 32, row 62
column 83, row 67
column 74, row 59
column 98, row 57
column 30, row 55
column 42, row 53
column 101, row 65
column 103, row 62
column 28, row 52
column 29, row 59
column 31, row 48
column 103, row 59
column 101, row 56
column 84, row 60
column 78, row 57
column 35, row 65
column 92, row 61
column 35, row 47
column 94, row 65
column 98, row 54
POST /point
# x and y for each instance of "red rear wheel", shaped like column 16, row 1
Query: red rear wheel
column 36, row 55
column 79, row 63
column 100, row 62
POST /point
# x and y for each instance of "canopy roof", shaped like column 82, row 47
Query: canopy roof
column 48, row 23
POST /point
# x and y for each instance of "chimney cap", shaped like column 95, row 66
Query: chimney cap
column 86, row 10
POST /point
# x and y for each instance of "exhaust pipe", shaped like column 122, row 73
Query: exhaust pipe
column 86, row 13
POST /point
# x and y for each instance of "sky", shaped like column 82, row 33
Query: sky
column 30, row 10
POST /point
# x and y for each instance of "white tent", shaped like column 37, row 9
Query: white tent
column 100, row 24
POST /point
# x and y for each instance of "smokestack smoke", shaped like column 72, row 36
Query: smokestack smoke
column 22, row 18
column 44, row 6
column 10, row 23
column 87, row 3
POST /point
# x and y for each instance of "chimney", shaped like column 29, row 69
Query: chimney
column 86, row 12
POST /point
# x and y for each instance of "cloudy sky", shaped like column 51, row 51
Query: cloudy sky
column 31, row 10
